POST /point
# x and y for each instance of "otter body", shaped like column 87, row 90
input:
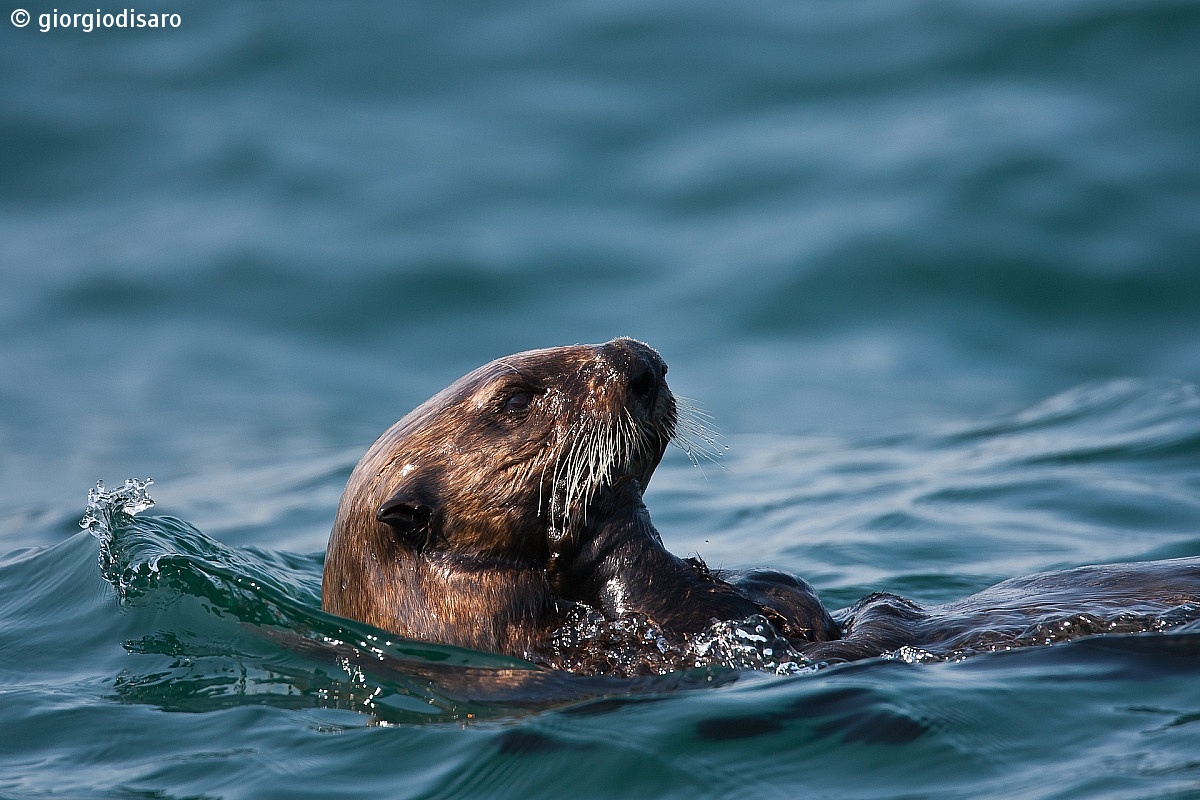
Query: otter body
column 512, row 498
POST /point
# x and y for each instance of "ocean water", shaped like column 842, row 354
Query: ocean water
column 933, row 268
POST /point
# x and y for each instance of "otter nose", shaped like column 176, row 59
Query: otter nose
column 643, row 382
column 643, row 367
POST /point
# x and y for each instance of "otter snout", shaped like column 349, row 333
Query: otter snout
column 644, row 370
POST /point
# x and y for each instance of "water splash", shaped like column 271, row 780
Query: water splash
column 633, row 645
column 107, row 510
column 106, row 513
column 749, row 644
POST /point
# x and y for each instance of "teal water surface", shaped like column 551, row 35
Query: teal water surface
column 931, row 266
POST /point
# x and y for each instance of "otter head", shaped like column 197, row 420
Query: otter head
column 483, row 474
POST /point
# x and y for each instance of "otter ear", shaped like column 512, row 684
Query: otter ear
column 408, row 516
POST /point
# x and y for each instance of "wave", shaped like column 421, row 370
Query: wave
column 217, row 626
column 242, row 626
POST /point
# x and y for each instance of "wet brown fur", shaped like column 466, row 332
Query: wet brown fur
column 470, row 476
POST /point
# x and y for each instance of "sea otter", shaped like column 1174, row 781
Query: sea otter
column 513, row 498
column 485, row 514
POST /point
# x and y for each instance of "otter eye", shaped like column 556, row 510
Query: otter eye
column 518, row 402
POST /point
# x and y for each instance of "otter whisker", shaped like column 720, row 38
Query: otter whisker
column 597, row 453
column 695, row 432
column 580, row 469
column 555, row 452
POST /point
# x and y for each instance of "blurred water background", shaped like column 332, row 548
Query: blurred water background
column 932, row 265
